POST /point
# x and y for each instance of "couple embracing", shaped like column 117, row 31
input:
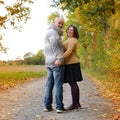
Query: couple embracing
column 62, row 66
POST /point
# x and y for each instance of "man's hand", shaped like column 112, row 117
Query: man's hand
column 58, row 63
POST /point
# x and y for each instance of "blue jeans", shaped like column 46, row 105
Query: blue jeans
column 54, row 80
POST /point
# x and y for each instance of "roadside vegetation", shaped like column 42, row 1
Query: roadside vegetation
column 11, row 76
column 99, row 43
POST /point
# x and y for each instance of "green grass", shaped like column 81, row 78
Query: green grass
column 14, row 75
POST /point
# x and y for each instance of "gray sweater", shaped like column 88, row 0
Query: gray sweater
column 53, row 46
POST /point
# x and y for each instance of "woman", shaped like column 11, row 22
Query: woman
column 72, row 65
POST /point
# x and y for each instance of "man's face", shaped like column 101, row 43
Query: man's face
column 59, row 22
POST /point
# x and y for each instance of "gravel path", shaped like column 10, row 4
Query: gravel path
column 25, row 102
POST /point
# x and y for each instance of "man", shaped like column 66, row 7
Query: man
column 53, row 51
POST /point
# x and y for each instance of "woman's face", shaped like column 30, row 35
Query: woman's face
column 70, row 32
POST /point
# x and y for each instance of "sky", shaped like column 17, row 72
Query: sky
column 31, row 39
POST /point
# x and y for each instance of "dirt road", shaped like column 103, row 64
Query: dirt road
column 25, row 102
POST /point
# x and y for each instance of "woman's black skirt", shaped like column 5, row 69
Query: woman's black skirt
column 72, row 73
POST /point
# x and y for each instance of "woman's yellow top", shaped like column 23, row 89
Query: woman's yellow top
column 70, row 53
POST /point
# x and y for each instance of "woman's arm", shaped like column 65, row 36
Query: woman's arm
column 71, row 45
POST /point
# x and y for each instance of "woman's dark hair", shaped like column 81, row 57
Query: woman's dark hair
column 75, row 31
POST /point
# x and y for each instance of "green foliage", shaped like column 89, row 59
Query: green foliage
column 34, row 59
column 67, row 4
column 28, row 58
column 113, row 51
column 52, row 16
column 99, row 27
column 98, row 54
column 39, row 58
column 90, row 14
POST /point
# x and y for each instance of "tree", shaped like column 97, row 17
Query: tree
column 52, row 16
column 100, row 31
column 28, row 58
column 16, row 14
column 39, row 58
column 113, row 43
column 34, row 59
column 2, row 48
column 89, row 13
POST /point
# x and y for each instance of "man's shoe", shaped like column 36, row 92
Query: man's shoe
column 61, row 110
column 48, row 109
